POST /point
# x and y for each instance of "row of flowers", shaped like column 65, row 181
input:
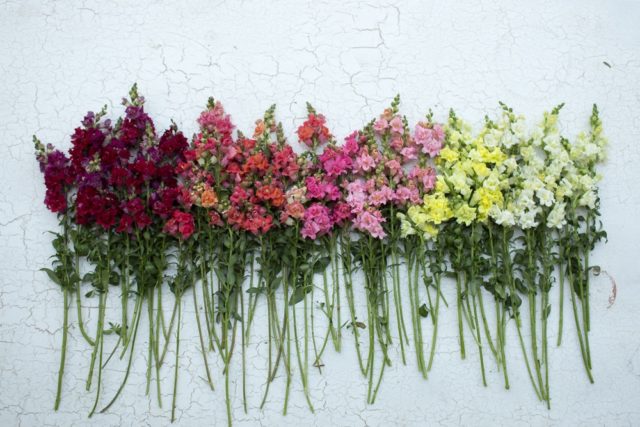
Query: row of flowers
column 505, row 211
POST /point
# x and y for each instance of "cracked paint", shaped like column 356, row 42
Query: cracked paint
column 348, row 58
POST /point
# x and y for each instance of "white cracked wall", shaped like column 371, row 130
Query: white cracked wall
column 349, row 58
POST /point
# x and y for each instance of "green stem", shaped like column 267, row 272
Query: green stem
column 286, row 333
column 83, row 331
column 100, row 340
column 479, row 338
column 402, row 330
column 508, row 271
column 526, row 360
column 303, row 369
column 136, row 322
column 125, row 288
column 459, row 306
column 115, row 347
column 561, row 290
column 578, row 328
column 348, row 285
column 499, row 354
column 270, row 352
column 336, row 289
column 252, row 298
column 371, row 357
column 413, row 305
column 500, row 325
column 150, row 345
column 486, row 327
column 329, row 309
column 156, row 338
column 169, row 331
column 175, row 371
column 209, row 322
column 202, row 347
column 531, row 275
column 435, row 324
column 244, row 350
column 63, row 355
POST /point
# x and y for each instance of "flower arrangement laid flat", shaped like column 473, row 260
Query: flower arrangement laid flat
column 233, row 221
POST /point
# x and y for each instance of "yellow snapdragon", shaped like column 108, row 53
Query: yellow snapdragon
column 465, row 214
column 448, row 155
column 485, row 200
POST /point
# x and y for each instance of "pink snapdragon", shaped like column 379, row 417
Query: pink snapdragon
column 215, row 119
column 357, row 195
column 395, row 170
column 429, row 137
column 321, row 190
column 364, row 161
column 351, row 144
column 335, row 162
column 317, row 221
column 396, row 124
column 341, row 213
column 382, row 196
column 424, row 176
column 381, row 125
column 371, row 222
column 406, row 194
column 409, row 153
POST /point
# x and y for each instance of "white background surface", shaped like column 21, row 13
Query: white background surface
column 349, row 58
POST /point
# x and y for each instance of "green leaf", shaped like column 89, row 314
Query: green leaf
column 275, row 284
column 231, row 276
column 321, row 264
column 423, row 310
column 299, row 294
column 52, row 275
column 114, row 278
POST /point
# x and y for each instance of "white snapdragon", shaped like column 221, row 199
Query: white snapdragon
column 509, row 139
column 519, row 128
column 511, row 164
column 554, row 169
column 536, row 136
column 525, row 200
column 532, row 182
column 588, row 199
column 564, row 189
column 545, row 197
column 553, row 145
column 585, row 182
column 591, row 151
column 557, row 217
column 455, row 137
column 459, row 182
column 534, row 158
column 492, row 181
column 475, row 155
column 527, row 218
column 502, row 217
column 492, row 138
